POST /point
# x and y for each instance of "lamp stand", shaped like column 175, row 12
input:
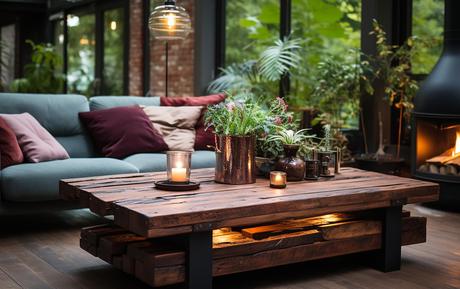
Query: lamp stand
column 167, row 68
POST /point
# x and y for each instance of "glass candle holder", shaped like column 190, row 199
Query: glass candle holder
column 327, row 163
column 312, row 169
column 278, row 180
column 178, row 166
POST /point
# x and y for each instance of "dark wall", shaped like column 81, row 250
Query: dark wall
column 30, row 18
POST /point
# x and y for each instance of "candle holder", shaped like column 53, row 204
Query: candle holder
column 178, row 170
column 178, row 166
column 278, row 180
column 327, row 163
column 312, row 170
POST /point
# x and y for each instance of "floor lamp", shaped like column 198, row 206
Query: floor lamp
column 169, row 22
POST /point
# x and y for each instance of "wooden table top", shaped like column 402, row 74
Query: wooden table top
column 140, row 208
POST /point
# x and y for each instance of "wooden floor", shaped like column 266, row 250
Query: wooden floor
column 41, row 251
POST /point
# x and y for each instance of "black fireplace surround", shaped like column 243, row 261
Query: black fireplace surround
column 436, row 118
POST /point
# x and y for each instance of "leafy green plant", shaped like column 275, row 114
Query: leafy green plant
column 239, row 115
column 42, row 75
column 289, row 136
column 260, row 77
column 278, row 118
column 338, row 90
column 393, row 65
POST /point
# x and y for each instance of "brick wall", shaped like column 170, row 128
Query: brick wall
column 181, row 57
column 136, row 43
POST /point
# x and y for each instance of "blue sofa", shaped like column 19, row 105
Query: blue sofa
column 59, row 115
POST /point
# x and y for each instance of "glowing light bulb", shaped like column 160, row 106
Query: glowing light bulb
column 113, row 25
column 171, row 20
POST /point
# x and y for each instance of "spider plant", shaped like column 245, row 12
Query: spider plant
column 260, row 77
column 290, row 137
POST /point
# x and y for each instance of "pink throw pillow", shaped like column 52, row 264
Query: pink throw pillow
column 36, row 143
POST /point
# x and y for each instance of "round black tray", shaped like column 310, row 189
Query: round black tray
column 170, row 186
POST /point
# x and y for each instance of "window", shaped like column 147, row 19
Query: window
column 250, row 26
column 428, row 25
column 81, row 53
column 92, row 39
column 331, row 29
column 113, row 71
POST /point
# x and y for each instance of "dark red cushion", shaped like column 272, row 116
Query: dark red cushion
column 123, row 131
column 204, row 138
column 10, row 152
column 192, row 100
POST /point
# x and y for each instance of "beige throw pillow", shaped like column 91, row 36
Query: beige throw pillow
column 176, row 124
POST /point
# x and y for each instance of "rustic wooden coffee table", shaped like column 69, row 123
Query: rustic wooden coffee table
column 171, row 237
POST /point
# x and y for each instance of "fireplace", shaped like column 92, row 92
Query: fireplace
column 436, row 133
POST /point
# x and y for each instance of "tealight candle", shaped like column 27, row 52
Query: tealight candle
column 178, row 166
column 278, row 180
column 179, row 175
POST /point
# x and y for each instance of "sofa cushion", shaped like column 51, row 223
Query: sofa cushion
column 176, row 124
column 104, row 102
column 10, row 152
column 36, row 143
column 40, row 182
column 122, row 131
column 157, row 162
column 57, row 113
column 204, row 139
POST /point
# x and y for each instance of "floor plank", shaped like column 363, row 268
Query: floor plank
column 41, row 251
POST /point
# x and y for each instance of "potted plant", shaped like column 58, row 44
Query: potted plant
column 291, row 163
column 236, row 122
column 268, row 150
column 392, row 66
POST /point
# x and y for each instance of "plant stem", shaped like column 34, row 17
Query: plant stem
column 366, row 148
column 398, row 147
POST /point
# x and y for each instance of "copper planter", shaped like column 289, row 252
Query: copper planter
column 235, row 160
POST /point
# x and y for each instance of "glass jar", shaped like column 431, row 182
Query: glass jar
column 178, row 166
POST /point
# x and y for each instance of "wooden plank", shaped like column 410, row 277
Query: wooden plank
column 117, row 244
column 277, row 257
column 349, row 229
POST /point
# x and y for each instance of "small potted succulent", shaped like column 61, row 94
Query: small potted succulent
column 291, row 163
column 236, row 122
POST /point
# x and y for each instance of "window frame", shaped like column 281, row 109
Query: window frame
column 98, row 8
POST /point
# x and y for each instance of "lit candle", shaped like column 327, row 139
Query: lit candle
column 179, row 175
column 178, row 166
column 278, row 180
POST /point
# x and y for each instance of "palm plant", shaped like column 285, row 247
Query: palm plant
column 261, row 76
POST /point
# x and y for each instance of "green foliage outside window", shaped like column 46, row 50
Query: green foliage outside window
column 327, row 29
column 428, row 26
column 43, row 74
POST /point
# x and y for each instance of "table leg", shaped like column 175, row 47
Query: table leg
column 199, row 260
column 389, row 257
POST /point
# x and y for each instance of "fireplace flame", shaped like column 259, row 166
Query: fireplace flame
column 456, row 149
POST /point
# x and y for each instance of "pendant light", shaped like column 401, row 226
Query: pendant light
column 169, row 22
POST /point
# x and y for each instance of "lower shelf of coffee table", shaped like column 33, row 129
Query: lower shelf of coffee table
column 160, row 262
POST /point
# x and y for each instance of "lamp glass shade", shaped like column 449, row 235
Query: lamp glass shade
column 170, row 22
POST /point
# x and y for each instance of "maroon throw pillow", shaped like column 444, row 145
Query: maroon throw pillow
column 123, row 131
column 10, row 152
column 192, row 100
column 204, row 139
